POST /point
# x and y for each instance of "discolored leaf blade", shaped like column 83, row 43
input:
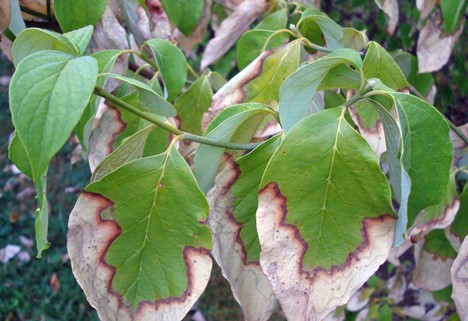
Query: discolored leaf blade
column 145, row 222
column 434, row 46
column 434, row 258
column 172, row 66
column 459, row 273
column 324, row 220
column 76, row 14
column 251, row 44
column 427, row 161
column 193, row 103
column 129, row 150
column 459, row 227
column 233, row 203
column 236, row 124
column 185, row 14
column 441, row 215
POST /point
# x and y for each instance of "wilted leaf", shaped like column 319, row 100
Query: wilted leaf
column 161, row 26
column 390, row 7
column 231, row 29
column 324, row 221
column 434, row 257
column 132, row 259
column 109, row 33
column 236, row 249
column 459, row 273
column 136, row 20
column 75, row 14
column 434, row 46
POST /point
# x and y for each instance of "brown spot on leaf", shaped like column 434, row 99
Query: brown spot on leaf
column 283, row 246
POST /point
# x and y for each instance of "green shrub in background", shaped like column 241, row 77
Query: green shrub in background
column 305, row 165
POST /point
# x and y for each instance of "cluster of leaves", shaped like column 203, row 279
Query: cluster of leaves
column 301, row 176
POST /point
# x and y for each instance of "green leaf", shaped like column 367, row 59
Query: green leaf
column 298, row 91
column 237, row 124
column 325, row 220
column 159, row 210
column 233, row 204
column 32, row 40
column 106, row 60
column 354, row 39
column 171, row 64
column 17, row 154
column 426, row 160
column 192, row 104
column 48, row 93
column 131, row 18
column 274, row 21
column 148, row 99
column 185, row 14
column 452, row 13
column 254, row 42
column 76, row 14
column 379, row 64
column 409, row 66
column 81, row 38
column 131, row 149
column 321, row 30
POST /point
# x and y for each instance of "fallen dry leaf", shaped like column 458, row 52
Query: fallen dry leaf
column 434, row 46
column 54, row 283
column 231, row 29
column 9, row 252
column 459, row 273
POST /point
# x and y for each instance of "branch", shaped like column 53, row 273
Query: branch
column 170, row 128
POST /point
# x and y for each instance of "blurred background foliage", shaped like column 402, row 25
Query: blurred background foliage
column 45, row 289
